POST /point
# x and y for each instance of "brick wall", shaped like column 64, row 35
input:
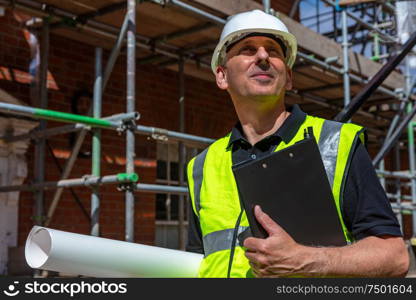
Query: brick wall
column 209, row 112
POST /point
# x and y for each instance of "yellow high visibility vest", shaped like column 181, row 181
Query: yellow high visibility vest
column 215, row 199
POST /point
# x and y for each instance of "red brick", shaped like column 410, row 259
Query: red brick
column 209, row 112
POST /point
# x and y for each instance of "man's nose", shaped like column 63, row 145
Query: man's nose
column 262, row 58
column 262, row 54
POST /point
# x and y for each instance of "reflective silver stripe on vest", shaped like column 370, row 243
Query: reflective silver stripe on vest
column 328, row 146
column 198, row 173
column 220, row 240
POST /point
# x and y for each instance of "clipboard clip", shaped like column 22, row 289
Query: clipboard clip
column 308, row 132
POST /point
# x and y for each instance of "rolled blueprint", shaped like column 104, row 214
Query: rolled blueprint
column 79, row 254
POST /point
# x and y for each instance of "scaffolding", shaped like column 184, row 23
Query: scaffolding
column 379, row 24
column 377, row 30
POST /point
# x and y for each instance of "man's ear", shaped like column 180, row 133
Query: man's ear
column 221, row 78
column 289, row 79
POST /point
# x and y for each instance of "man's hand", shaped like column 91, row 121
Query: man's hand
column 276, row 256
column 280, row 256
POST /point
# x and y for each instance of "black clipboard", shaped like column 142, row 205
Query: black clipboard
column 292, row 187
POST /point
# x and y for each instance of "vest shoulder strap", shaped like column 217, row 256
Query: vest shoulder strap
column 328, row 147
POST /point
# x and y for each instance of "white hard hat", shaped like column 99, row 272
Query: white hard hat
column 255, row 21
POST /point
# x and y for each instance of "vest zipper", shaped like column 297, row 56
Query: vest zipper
column 230, row 262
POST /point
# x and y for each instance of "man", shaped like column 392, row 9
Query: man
column 253, row 63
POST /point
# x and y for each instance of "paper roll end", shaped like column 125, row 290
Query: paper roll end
column 38, row 246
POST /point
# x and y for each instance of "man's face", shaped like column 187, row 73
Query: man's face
column 255, row 67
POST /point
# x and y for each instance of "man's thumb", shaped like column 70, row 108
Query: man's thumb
column 268, row 224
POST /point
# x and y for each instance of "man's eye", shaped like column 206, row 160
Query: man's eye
column 247, row 50
column 274, row 52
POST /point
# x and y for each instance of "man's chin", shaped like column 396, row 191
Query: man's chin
column 263, row 94
column 265, row 99
column 263, row 89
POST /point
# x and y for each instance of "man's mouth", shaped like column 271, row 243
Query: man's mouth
column 262, row 75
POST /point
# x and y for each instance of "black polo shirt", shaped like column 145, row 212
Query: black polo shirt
column 365, row 208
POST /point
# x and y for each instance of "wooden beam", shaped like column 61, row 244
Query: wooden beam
column 311, row 41
column 230, row 7
column 353, row 2
column 322, row 88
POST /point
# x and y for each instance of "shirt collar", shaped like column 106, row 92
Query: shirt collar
column 285, row 132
